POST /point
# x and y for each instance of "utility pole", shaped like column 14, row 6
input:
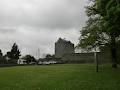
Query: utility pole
column 38, row 53
column 96, row 60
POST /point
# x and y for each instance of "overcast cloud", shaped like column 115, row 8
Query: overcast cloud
column 34, row 24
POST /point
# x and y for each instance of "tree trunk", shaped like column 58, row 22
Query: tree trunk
column 113, row 52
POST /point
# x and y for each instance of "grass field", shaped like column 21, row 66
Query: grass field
column 60, row 77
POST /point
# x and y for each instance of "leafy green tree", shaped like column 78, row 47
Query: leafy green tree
column 1, row 57
column 14, row 54
column 1, row 54
column 103, row 26
column 29, row 59
column 48, row 56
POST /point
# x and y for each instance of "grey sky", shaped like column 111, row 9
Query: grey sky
column 34, row 24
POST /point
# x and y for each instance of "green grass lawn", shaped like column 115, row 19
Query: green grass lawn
column 60, row 77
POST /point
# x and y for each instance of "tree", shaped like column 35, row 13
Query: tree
column 102, row 26
column 29, row 59
column 1, row 57
column 1, row 54
column 112, row 25
column 14, row 54
column 48, row 56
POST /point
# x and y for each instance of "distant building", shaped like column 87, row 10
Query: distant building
column 63, row 47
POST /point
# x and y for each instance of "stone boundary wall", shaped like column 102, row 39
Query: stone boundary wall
column 79, row 58
column 105, row 54
column 103, row 57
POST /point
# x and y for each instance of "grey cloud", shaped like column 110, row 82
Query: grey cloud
column 7, row 30
column 59, row 14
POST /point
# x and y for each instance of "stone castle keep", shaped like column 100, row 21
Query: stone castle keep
column 65, row 50
column 63, row 47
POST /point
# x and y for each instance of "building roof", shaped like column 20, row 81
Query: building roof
column 60, row 40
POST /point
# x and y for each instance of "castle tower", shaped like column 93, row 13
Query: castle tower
column 63, row 47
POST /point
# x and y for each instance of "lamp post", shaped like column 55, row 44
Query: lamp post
column 96, row 60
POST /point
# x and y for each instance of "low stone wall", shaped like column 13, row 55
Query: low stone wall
column 103, row 57
column 79, row 58
column 105, row 54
